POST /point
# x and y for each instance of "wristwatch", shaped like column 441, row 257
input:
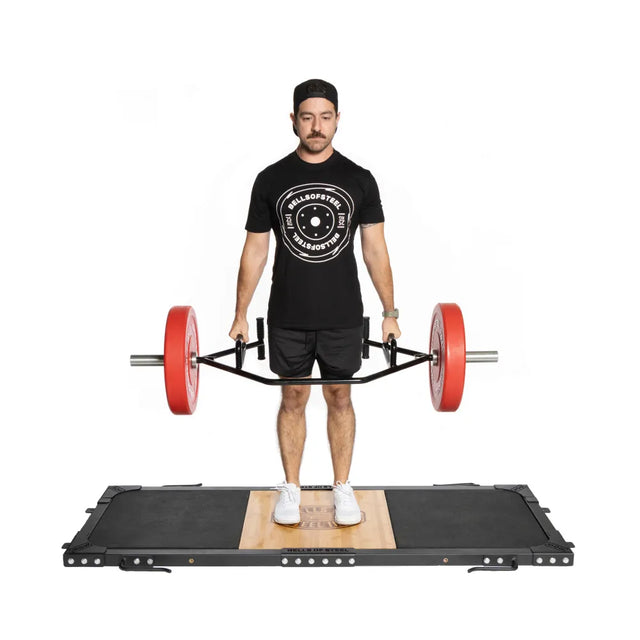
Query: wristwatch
column 391, row 314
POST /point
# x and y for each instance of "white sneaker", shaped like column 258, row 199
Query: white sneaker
column 347, row 511
column 287, row 509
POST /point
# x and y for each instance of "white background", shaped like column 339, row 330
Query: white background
column 504, row 137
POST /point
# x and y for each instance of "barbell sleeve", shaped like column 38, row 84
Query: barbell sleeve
column 146, row 361
column 482, row 356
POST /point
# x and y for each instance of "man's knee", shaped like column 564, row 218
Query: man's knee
column 295, row 397
column 338, row 396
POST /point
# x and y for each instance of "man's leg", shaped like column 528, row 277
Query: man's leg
column 341, row 428
column 292, row 429
column 291, row 355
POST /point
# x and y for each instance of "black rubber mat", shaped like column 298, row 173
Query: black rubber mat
column 187, row 519
column 474, row 518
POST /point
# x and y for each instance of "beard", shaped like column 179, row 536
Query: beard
column 315, row 144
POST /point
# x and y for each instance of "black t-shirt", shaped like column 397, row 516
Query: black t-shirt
column 314, row 211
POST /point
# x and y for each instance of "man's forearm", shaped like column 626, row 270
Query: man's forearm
column 252, row 265
column 376, row 257
column 379, row 269
column 248, row 278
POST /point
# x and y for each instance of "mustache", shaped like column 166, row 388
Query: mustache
column 315, row 134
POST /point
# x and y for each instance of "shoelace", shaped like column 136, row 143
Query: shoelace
column 287, row 494
column 344, row 492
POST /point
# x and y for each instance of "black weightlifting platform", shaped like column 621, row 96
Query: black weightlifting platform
column 495, row 528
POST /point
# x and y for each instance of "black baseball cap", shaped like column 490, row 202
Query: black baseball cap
column 314, row 89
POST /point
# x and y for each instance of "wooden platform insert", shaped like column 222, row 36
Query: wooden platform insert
column 317, row 528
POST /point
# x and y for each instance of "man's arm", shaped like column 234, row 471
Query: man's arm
column 376, row 257
column 252, row 262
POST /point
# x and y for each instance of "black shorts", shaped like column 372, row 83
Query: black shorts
column 292, row 352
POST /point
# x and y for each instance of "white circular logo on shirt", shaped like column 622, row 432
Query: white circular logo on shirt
column 315, row 220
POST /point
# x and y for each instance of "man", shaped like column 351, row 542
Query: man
column 314, row 199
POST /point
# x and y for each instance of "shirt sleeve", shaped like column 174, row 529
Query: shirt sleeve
column 371, row 211
column 259, row 216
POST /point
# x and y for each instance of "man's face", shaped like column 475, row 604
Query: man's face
column 316, row 122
